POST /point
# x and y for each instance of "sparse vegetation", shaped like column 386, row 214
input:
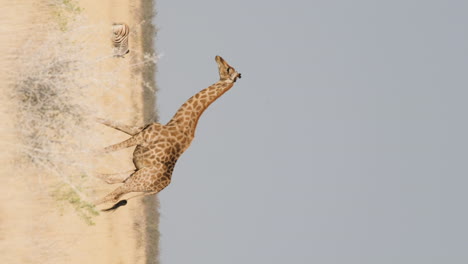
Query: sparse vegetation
column 85, row 210
column 65, row 11
column 51, row 102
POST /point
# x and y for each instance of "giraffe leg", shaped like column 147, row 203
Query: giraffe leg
column 134, row 140
column 143, row 194
column 115, row 177
column 155, row 187
column 114, row 196
column 131, row 130
column 135, row 183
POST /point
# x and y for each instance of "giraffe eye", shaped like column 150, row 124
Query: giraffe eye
column 228, row 69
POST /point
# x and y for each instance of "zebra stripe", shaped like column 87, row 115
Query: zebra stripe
column 120, row 39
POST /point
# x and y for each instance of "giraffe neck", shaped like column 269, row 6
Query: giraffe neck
column 188, row 114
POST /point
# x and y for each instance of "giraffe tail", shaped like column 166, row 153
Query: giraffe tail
column 115, row 206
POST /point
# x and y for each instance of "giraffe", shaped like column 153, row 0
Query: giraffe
column 158, row 147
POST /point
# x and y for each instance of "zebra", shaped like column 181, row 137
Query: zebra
column 120, row 39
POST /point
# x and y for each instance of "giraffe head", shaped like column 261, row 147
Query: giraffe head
column 226, row 72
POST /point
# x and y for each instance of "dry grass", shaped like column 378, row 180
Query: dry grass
column 52, row 103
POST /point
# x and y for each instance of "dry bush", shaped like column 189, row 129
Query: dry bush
column 52, row 102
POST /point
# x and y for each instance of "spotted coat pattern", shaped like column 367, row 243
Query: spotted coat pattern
column 158, row 147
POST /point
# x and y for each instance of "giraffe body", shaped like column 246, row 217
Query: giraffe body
column 158, row 147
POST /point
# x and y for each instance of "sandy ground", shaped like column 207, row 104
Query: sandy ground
column 35, row 226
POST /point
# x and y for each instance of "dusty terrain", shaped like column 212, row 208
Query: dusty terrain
column 58, row 75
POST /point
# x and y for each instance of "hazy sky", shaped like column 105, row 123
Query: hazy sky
column 344, row 141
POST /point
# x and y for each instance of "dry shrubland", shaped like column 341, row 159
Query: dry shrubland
column 55, row 99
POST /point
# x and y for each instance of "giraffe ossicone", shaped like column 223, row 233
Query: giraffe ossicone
column 158, row 147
